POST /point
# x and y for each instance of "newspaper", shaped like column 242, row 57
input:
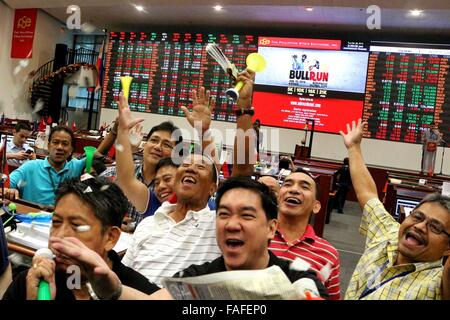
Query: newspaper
column 266, row 284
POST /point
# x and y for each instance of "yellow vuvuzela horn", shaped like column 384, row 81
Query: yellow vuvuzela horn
column 256, row 63
column 126, row 83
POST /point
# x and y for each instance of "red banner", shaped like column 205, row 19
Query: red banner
column 23, row 33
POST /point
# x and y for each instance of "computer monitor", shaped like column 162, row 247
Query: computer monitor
column 404, row 207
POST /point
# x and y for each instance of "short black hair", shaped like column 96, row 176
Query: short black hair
column 165, row 162
column 166, row 126
column 437, row 198
column 268, row 199
column 22, row 125
column 65, row 129
column 316, row 184
column 106, row 199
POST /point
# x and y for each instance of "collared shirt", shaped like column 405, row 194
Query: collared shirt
column 160, row 247
column 37, row 180
column 133, row 213
column 420, row 281
column 314, row 250
column 218, row 265
column 12, row 148
column 18, row 289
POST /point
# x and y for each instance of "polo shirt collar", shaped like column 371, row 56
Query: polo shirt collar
column 167, row 207
column 48, row 165
column 309, row 235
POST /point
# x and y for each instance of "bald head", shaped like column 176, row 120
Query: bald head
column 272, row 183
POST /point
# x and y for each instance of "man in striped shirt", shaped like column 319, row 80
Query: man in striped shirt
column 401, row 261
column 295, row 238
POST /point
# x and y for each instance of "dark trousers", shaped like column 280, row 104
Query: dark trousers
column 340, row 197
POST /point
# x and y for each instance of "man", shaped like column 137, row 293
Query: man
column 272, row 183
column 38, row 180
column 343, row 183
column 245, row 224
column 137, row 180
column 298, row 200
column 91, row 211
column 431, row 138
column 401, row 261
column 17, row 150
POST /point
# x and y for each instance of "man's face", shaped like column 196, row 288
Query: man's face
column 417, row 242
column 193, row 182
column 70, row 213
column 60, row 147
column 21, row 137
column 164, row 183
column 297, row 196
column 242, row 230
column 157, row 147
column 272, row 183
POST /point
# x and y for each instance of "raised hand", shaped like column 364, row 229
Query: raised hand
column 201, row 109
column 245, row 94
column 354, row 134
column 136, row 136
column 126, row 119
column 103, row 280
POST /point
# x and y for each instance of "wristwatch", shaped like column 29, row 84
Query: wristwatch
column 242, row 111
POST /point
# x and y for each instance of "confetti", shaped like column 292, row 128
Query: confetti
column 87, row 190
column 88, row 27
column 119, row 147
column 105, row 187
column 299, row 265
column 22, row 64
column 83, row 228
column 326, row 272
column 21, row 183
column 86, row 176
column 38, row 106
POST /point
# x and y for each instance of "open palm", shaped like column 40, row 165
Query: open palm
column 201, row 109
column 354, row 133
column 126, row 119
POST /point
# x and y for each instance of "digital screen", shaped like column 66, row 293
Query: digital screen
column 315, row 79
column 166, row 66
column 405, row 206
column 406, row 91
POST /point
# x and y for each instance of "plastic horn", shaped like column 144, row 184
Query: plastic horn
column 255, row 63
column 126, row 83
column 44, row 287
column 89, row 151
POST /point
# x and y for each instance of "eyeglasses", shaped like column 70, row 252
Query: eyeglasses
column 434, row 225
column 164, row 143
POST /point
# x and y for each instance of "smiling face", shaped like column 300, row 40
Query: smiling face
column 243, row 230
column 416, row 242
column 71, row 213
column 158, row 146
column 193, row 182
column 164, row 183
column 297, row 197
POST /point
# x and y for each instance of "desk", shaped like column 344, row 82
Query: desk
column 27, row 239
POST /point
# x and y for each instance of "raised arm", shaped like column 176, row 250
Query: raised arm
column 136, row 191
column 363, row 183
column 244, row 156
column 200, row 119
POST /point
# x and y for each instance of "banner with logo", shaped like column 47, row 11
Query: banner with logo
column 23, row 33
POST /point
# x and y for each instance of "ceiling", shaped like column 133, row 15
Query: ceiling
column 327, row 15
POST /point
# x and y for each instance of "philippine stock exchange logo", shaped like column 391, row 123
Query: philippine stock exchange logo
column 309, row 71
column 24, row 22
column 264, row 42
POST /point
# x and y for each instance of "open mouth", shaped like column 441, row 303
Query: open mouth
column 164, row 195
column 189, row 180
column 292, row 200
column 234, row 243
column 414, row 239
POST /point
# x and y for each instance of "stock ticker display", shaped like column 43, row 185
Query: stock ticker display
column 399, row 89
column 406, row 89
column 166, row 66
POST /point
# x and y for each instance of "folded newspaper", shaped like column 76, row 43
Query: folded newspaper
column 266, row 284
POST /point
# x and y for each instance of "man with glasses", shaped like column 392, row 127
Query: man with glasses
column 401, row 261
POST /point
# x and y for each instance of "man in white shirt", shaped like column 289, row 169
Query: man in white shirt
column 17, row 150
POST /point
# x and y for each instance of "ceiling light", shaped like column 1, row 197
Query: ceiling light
column 139, row 8
column 309, row 9
column 218, row 8
column 415, row 12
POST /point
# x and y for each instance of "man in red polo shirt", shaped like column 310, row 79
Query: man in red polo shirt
column 295, row 238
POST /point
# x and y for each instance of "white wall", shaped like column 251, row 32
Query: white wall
column 328, row 146
column 14, row 87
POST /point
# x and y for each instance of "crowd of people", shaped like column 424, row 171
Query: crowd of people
column 186, row 222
